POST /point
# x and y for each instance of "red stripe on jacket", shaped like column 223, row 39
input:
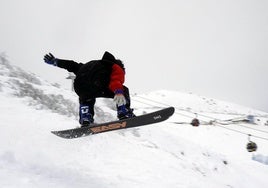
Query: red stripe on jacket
column 117, row 78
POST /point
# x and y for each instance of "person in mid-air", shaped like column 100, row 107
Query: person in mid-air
column 97, row 78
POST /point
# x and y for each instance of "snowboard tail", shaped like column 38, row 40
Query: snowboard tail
column 146, row 119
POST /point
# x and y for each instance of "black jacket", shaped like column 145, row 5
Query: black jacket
column 93, row 77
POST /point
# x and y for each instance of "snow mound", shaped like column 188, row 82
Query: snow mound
column 159, row 155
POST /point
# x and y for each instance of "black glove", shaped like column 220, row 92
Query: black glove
column 50, row 59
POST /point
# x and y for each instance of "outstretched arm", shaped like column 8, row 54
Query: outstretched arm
column 69, row 65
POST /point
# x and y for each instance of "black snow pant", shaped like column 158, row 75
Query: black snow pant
column 90, row 101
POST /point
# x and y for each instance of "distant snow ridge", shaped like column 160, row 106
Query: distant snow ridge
column 34, row 91
column 200, row 104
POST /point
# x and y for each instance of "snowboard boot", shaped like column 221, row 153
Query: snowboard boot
column 85, row 117
column 123, row 112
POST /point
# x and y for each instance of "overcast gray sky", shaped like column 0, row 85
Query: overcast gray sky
column 216, row 48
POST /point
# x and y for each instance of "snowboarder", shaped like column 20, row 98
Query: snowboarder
column 97, row 78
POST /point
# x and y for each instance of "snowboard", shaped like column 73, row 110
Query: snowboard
column 146, row 119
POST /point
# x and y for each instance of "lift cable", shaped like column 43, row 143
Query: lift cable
column 189, row 111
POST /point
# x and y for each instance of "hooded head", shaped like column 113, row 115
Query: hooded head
column 107, row 56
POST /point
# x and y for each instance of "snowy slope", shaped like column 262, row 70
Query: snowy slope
column 160, row 155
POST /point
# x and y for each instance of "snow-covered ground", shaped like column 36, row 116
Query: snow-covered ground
column 168, row 154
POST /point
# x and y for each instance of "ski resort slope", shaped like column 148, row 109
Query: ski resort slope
column 168, row 154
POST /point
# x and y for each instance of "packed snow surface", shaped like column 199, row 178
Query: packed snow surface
column 168, row 154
